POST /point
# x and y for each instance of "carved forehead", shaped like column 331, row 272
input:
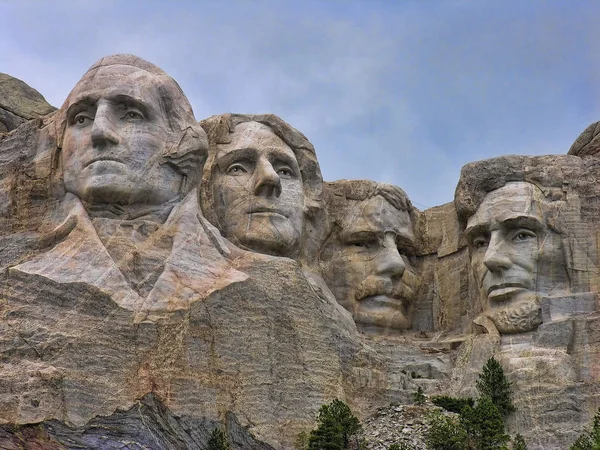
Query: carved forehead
column 252, row 139
column 514, row 200
column 117, row 80
column 254, row 135
column 376, row 215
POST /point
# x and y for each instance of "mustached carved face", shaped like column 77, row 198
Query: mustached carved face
column 366, row 264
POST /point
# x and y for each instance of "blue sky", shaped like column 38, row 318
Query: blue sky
column 405, row 92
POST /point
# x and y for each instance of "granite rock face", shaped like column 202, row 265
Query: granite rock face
column 160, row 273
column 19, row 103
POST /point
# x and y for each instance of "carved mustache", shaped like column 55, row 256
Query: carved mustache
column 377, row 286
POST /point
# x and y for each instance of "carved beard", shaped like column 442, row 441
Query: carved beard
column 525, row 316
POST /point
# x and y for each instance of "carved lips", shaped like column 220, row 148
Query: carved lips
column 266, row 210
column 505, row 290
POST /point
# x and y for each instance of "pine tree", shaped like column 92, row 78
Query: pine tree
column 336, row 425
column 217, row 440
column 589, row 440
column 419, row 396
column 484, row 425
column 445, row 433
column 519, row 443
column 492, row 383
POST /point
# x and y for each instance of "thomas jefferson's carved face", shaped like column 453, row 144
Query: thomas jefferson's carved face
column 114, row 140
column 258, row 191
column 367, row 267
column 515, row 257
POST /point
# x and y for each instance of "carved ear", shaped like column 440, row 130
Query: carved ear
column 188, row 150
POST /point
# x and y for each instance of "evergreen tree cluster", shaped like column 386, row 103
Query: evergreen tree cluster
column 480, row 423
column 336, row 428
column 589, row 439
column 217, row 440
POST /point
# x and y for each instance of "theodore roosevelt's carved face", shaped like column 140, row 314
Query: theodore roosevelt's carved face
column 515, row 256
column 367, row 267
column 258, row 191
column 115, row 136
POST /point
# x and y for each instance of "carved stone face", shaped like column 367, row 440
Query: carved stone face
column 366, row 266
column 114, row 139
column 515, row 257
column 258, row 191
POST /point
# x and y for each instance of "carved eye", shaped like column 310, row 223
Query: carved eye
column 480, row 242
column 81, row 119
column 236, row 169
column 285, row 173
column 133, row 115
column 524, row 235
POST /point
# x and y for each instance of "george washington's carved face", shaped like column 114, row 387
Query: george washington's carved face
column 115, row 136
column 258, row 191
column 367, row 267
column 515, row 256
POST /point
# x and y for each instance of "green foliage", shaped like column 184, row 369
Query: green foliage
column 446, row 433
column 518, row 443
column 452, row 404
column 419, row 396
column 302, row 441
column 589, row 440
column 484, row 425
column 335, row 426
column 493, row 383
column 217, row 440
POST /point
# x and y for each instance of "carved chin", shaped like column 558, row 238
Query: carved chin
column 526, row 316
column 390, row 320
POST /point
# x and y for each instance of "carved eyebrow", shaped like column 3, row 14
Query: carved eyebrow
column 229, row 157
column 476, row 230
column 529, row 222
column 276, row 155
column 80, row 104
column 90, row 101
column 405, row 241
column 132, row 102
column 359, row 235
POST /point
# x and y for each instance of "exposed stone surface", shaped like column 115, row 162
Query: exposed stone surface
column 19, row 103
column 161, row 277
column 400, row 424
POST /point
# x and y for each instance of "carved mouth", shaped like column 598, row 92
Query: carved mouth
column 382, row 301
column 497, row 291
column 266, row 210
column 104, row 158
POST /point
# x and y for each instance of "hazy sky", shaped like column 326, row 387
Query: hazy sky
column 405, row 92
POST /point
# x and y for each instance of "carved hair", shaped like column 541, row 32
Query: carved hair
column 339, row 193
column 187, row 145
column 479, row 178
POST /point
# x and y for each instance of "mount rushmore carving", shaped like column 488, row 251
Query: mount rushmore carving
column 202, row 272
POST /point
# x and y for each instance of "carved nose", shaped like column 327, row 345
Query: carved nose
column 495, row 258
column 268, row 183
column 390, row 263
column 103, row 130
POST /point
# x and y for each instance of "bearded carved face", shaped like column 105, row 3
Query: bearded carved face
column 366, row 264
column 515, row 257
